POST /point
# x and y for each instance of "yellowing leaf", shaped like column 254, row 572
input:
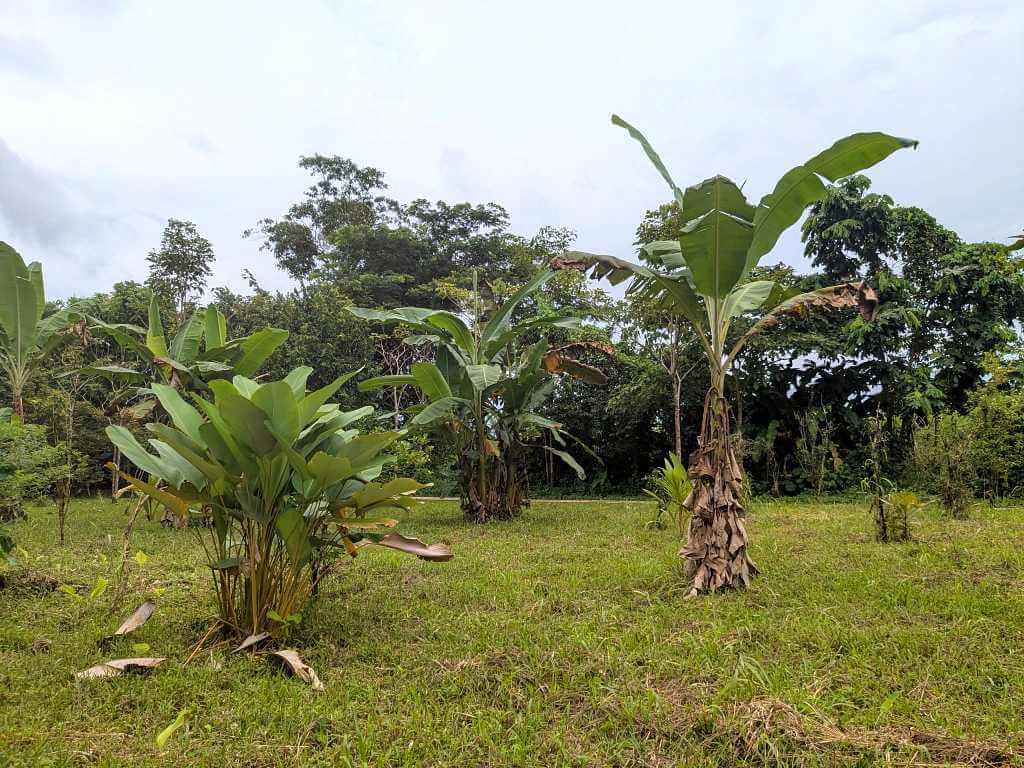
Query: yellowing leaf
column 141, row 557
column 166, row 733
column 98, row 588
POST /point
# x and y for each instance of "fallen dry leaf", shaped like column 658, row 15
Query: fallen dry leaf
column 438, row 552
column 252, row 640
column 299, row 668
column 118, row 666
column 133, row 622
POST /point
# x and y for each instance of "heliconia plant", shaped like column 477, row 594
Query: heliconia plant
column 704, row 277
column 287, row 479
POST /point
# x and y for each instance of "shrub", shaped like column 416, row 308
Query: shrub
column 288, row 482
column 30, row 466
column 670, row 486
column 944, row 461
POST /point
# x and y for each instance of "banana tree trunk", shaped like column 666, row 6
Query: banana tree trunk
column 716, row 549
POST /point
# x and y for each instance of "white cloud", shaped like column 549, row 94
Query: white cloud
column 134, row 113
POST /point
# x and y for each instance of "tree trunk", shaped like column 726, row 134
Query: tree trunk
column 677, row 391
column 716, row 549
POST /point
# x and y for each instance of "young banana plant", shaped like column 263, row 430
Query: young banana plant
column 26, row 337
column 703, row 277
column 482, row 396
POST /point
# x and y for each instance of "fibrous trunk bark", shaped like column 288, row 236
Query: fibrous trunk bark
column 503, row 494
column 716, row 549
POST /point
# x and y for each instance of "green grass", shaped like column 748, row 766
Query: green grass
column 560, row 639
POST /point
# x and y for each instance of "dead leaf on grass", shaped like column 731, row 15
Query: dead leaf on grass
column 299, row 668
column 118, row 666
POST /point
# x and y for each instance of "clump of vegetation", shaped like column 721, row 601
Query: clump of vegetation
column 890, row 507
column 704, row 276
column 944, row 461
column 288, row 482
column 483, row 391
column 670, row 487
column 30, row 466
column 816, row 452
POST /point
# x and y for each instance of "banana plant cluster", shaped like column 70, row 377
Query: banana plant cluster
column 26, row 337
column 287, row 479
column 199, row 351
column 704, row 277
column 484, row 390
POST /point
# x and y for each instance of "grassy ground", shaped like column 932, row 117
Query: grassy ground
column 560, row 639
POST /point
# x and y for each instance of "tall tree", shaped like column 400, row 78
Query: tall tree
column 180, row 268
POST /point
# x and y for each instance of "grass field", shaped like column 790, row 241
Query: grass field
column 560, row 639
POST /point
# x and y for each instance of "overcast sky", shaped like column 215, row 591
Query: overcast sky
column 115, row 116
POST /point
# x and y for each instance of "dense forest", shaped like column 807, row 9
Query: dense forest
column 810, row 400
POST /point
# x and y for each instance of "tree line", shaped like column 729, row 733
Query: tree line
column 944, row 343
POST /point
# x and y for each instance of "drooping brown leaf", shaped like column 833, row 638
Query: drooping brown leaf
column 299, row 668
column 252, row 640
column 566, row 261
column 409, row 545
column 559, row 360
column 139, row 617
column 116, row 667
column 859, row 295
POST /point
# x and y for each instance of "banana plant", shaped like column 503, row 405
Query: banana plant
column 198, row 353
column 704, row 277
column 287, row 480
column 26, row 337
column 482, row 395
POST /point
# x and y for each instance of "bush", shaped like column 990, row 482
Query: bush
column 944, row 460
column 997, row 449
column 29, row 466
column 288, row 482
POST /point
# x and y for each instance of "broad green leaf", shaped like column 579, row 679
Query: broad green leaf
column 216, row 328
column 330, row 469
column 715, row 248
column 291, row 526
column 428, row 377
column 438, row 409
column 257, row 348
column 277, row 400
column 185, row 344
column 177, row 469
column 244, row 419
column 379, row 382
column 375, row 494
column 98, row 588
column 35, row 277
column 499, row 321
column 568, row 459
column 801, row 186
column 716, row 194
column 311, row 403
column 17, row 299
column 362, row 450
column 185, row 417
column 155, row 339
column 748, row 297
column 297, row 379
column 483, row 376
column 675, row 294
column 651, row 154
column 455, row 328
column 135, row 453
